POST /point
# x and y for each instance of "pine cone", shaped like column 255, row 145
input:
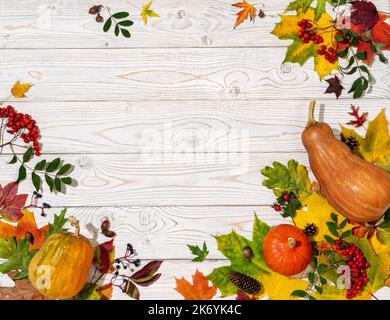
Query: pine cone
column 245, row 283
column 310, row 229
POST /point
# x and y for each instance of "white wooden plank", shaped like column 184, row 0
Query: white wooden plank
column 168, row 74
column 163, row 179
column 164, row 232
column 174, row 126
column 190, row 23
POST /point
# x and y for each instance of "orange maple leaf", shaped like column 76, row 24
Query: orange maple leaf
column 25, row 224
column 198, row 290
column 248, row 10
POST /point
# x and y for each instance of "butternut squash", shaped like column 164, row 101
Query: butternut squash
column 357, row 189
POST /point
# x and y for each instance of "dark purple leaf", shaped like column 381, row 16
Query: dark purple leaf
column 334, row 86
column 364, row 14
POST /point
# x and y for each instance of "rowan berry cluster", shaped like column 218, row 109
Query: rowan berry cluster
column 21, row 126
column 329, row 54
column 357, row 264
column 306, row 32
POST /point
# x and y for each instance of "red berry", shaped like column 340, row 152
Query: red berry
column 286, row 197
column 277, row 207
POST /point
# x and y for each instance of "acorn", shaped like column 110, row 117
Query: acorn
column 247, row 253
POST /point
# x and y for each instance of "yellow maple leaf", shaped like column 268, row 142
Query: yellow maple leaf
column 375, row 146
column 300, row 52
column 317, row 210
column 279, row 287
column 146, row 12
column 19, row 90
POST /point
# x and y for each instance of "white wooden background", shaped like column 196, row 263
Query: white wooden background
column 167, row 130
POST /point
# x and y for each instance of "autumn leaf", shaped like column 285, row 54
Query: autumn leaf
column 25, row 225
column 19, row 89
column 248, row 11
column 364, row 14
column 94, row 292
column 375, row 146
column 359, row 120
column 291, row 178
column 334, row 86
column 104, row 257
column 11, row 203
column 304, row 5
column 279, row 287
column 318, row 211
column 22, row 290
column 300, row 52
column 198, row 290
column 330, row 292
column 146, row 12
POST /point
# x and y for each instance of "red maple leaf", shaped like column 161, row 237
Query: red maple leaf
column 11, row 203
column 359, row 119
column 380, row 33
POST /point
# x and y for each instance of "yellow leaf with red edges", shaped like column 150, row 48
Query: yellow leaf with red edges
column 19, row 90
column 198, row 290
column 300, row 52
column 248, row 11
column 25, row 224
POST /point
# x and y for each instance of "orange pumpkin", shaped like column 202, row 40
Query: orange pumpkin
column 287, row 249
column 59, row 270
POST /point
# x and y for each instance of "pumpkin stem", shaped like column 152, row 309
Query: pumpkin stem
column 311, row 120
column 291, row 242
column 76, row 224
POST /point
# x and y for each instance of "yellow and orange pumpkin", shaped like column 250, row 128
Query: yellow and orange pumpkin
column 59, row 270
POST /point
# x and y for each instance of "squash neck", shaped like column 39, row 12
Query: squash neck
column 291, row 242
column 310, row 119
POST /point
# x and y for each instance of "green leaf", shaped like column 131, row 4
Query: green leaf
column 361, row 55
column 120, row 15
column 291, row 208
column 220, row 278
column 58, row 224
column 13, row 160
column 299, row 293
column 116, row 31
column 54, row 165
column 343, row 224
column 107, row 25
column 321, row 267
column 333, row 229
column 299, row 4
column 125, row 33
column 57, row 184
column 64, row 169
column 312, row 277
column 320, row 9
column 17, row 255
column 318, row 289
column 28, row 155
column 323, row 281
column 346, row 234
column 22, row 173
column 342, row 53
column 36, row 180
column 333, row 216
column 329, row 239
column 260, row 230
column 200, row 253
column 291, row 178
column 66, row 180
column 126, row 23
column 49, row 181
column 383, row 235
column 311, row 297
column 40, row 165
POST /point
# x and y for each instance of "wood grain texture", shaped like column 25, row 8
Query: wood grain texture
column 168, row 74
column 191, row 127
column 190, row 23
column 164, row 232
column 163, row 179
